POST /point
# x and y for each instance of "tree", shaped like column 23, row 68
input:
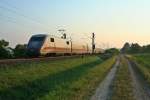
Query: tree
column 135, row 48
column 112, row 51
column 109, row 53
column 20, row 51
column 125, row 48
column 146, row 49
column 4, row 52
column 3, row 43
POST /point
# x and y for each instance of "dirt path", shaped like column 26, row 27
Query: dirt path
column 104, row 90
column 140, row 87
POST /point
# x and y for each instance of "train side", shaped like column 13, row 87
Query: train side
column 53, row 45
column 46, row 45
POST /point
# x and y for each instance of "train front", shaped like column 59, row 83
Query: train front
column 35, row 44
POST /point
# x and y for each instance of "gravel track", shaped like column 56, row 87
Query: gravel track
column 103, row 91
column 141, row 89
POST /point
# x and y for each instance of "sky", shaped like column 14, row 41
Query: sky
column 113, row 21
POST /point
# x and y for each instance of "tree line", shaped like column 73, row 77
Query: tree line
column 109, row 53
column 135, row 48
column 7, row 52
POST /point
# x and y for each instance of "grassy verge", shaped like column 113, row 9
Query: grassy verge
column 66, row 79
column 85, row 86
column 143, row 65
column 122, row 86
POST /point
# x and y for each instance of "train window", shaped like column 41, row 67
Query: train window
column 67, row 42
column 52, row 39
column 37, row 38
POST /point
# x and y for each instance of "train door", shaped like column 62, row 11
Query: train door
column 52, row 45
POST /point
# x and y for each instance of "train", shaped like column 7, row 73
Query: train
column 48, row 45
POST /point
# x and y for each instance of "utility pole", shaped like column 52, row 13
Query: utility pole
column 71, row 44
column 93, row 42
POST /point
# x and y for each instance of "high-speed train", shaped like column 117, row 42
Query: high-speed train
column 46, row 45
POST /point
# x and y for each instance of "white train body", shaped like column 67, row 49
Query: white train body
column 46, row 45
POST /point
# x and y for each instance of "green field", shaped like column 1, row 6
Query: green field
column 68, row 79
column 122, row 86
column 143, row 64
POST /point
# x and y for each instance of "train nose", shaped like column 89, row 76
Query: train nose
column 33, row 52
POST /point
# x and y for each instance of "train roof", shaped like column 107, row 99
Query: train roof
column 39, row 35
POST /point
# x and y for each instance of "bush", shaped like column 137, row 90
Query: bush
column 20, row 51
column 5, row 51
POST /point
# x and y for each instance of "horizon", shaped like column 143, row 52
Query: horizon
column 114, row 23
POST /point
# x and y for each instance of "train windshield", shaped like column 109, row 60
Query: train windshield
column 36, row 42
column 37, row 39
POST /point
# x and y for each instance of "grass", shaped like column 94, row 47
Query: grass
column 122, row 86
column 68, row 79
column 143, row 65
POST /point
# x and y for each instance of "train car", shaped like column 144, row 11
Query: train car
column 43, row 44
column 79, row 48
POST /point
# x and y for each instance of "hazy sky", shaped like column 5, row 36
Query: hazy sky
column 113, row 21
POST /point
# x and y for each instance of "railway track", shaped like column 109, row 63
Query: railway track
column 26, row 60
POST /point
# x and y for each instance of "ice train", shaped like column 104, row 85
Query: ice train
column 47, row 45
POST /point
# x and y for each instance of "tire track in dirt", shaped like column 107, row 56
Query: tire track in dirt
column 103, row 91
column 139, row 85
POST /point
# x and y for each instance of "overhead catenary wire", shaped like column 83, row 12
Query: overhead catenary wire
column 9, row 19
column 14, row 10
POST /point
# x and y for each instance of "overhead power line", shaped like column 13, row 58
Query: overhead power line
column 13, row 21
column 14, row 10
